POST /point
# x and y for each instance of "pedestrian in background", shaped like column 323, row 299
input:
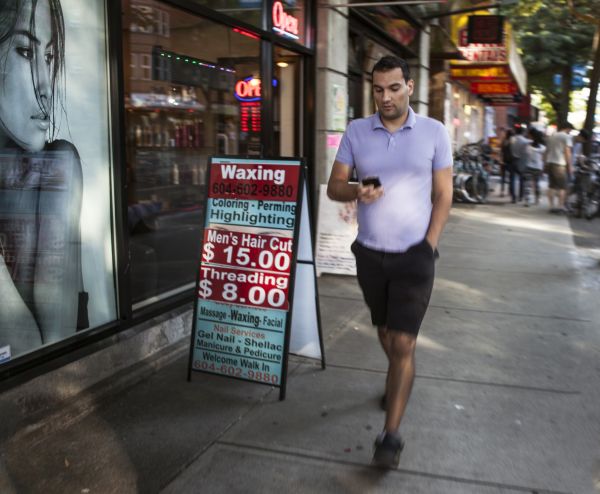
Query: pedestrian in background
column 535, row 165
column 518, row 149
column 506, row 168
column 558, row 165
column 404, row 162
column 579, row 145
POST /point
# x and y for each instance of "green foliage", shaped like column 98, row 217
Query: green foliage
column 551, row 39
column 547, row 108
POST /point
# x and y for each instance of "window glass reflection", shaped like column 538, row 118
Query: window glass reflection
column 184, row 79
column 245, row 10
column 287, row 18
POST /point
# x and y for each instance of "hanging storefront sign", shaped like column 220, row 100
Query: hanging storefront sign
column 494, row 88
column 485, row 29
column 479, row 52
column 247, row 269
column 492, row 65
column 484, row 52
column 480, row 72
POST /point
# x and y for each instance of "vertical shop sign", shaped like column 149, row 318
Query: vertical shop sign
column 339, row 114
column 246, row 275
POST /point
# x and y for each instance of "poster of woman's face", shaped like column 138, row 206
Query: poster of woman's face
column 56, row 273
column 31, row 56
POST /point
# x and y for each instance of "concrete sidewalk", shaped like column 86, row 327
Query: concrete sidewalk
column 506, row 399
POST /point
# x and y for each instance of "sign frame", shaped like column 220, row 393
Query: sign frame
column 485, row 29
column 217, row 160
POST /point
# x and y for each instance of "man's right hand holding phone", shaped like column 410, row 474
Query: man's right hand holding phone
column 369, row 190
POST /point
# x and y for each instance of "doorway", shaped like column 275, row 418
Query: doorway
column 288, row 103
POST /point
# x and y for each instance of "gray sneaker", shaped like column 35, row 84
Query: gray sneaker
column 387, row 450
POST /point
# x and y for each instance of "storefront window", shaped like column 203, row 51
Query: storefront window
column 245, row 10
column 202, row 99
column 56, row 273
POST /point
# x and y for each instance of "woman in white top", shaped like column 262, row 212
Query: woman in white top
column 535, row 164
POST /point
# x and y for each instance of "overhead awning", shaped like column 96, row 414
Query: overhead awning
column 492, row 71
column 442, row 47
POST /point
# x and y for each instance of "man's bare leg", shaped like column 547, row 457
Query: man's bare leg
column 562, row 198
column 551, row 198
column 400, row 349
column 384, row 339
column 401, row 375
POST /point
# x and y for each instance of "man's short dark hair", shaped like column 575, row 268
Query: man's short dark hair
column 391, row 62
column 584, row 134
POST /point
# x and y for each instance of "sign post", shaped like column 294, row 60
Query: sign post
column 245, row 283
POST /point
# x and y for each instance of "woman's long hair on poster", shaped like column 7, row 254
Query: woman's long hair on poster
column 10, row 10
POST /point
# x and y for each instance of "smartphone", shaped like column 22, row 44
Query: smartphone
column 374, row 181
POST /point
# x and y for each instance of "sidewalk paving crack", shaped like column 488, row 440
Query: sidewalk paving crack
column 341, row 297
column 405, row 471
column 465, row 381
column 519, row 314
column 483, row 311
column 507, row 271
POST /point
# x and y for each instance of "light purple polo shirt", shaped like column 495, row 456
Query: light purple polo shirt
column 404, row 162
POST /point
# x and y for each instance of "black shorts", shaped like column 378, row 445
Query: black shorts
column 396, row 286
column 557, row 176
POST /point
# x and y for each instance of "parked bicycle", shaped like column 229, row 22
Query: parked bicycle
column 471, row 178
column 584, row 193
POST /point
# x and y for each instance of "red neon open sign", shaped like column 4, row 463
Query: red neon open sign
column 284, row 22
column 248, row 89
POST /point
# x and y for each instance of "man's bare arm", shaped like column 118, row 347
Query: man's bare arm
column 338, row 188
column 442, row 202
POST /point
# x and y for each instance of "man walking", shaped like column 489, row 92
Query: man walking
column 518, row 148
column 404, row 162
column 558, row 161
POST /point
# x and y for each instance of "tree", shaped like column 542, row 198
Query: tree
column 590, row 116
column 553, row 41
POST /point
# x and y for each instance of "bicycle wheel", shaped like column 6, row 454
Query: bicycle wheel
column 483, row 189
column 591, row 207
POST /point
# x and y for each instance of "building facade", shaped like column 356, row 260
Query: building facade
column 101, row 211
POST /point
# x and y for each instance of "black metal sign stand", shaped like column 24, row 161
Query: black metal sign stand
column 243, row 303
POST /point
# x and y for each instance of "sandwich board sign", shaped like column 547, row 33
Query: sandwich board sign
column 246, row 280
